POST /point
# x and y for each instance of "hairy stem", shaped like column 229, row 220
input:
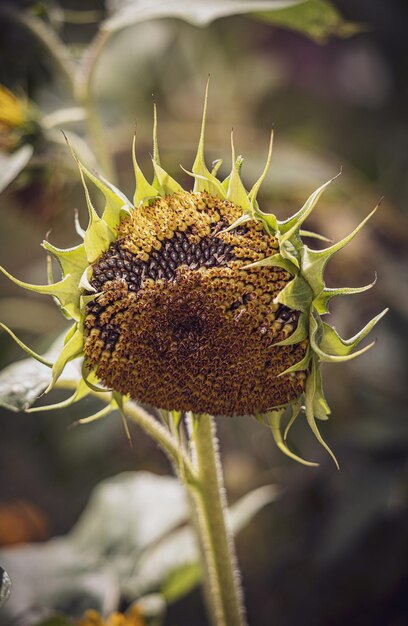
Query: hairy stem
column 203, row 478
column 169, row 444
column 215, row 532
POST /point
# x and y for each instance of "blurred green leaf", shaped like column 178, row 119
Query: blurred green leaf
column 21, row 383
column 130, row 542
column 128, row 513
column 318, row 19
column 173, row 565
column 56, row 620
column 12, row 164
column 181, row 581
column 198, row 12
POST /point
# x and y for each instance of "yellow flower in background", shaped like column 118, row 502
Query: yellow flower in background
column 199, row 301
column 132, row 618
column 16, row 118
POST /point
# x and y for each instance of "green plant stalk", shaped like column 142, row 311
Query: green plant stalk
column 151, row 427
column 83, row 94
column 214, row 528
column 79, row 79
column 203, row 478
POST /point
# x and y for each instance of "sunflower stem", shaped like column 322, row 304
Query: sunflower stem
column 214, row 527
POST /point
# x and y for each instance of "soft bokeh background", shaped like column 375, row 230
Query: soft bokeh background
column 332, row 550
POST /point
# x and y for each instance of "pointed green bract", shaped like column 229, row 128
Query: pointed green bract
column 296, row 295
column 63, row 290
column 321, row 303
column 78, row 228
column 216, row 166
column 275, row 260
column 320, row 407
column 116, row 202
column 300, row 366
column 329, row 346
column 156, row 154
column 166, row 182
column 296, row 409
column 98, row 415
column 308, row 233
column 98, row 236
column 236, row 191
column 72, row 349
column 144, row 190
column 300, row 333
column 315, row 261
column 291, row 225
column 310, row 394
column 71, row 260
column 210, row 185
column 241, row 220
column 274, row 418
column 81, row 392
column 24, row 347
column 204, row 180
column 255, row 189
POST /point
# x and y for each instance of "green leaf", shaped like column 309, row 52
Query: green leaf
column 181, row 581
column 56, row 620
column 317, row 19
column 21, row 383
column 12, row 164
column 200, row 12
column 172, row 565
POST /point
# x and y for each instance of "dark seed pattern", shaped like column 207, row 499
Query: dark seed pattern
column 180, row 322
column 119, row 263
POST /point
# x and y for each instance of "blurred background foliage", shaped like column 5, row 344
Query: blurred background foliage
column 332, row 79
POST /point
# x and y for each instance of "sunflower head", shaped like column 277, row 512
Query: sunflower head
column 198, row 300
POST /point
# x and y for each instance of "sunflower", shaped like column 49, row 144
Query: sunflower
column 17, row 119
column 132, row 618
column 199, row 301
